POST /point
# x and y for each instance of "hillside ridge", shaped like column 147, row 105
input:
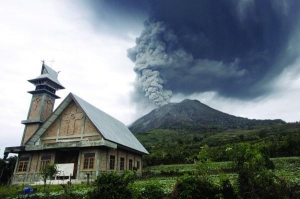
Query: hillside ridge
column 192, row 115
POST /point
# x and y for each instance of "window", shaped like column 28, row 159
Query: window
column 122, row 163
column 89, row 159
column 112, row 162
column 138, row 164
column 44, row 161
column 130, row 164
column 23, row 163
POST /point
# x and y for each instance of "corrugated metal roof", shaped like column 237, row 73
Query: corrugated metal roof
column 110, row 128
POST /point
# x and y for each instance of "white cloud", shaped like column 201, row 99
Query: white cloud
column 93, row 64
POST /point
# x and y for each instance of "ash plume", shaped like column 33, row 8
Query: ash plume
column 157, row 48
column 234, row 48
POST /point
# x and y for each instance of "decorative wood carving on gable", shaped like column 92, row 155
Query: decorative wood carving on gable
column 72, row 120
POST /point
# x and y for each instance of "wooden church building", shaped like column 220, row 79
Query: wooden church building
column 76, row 134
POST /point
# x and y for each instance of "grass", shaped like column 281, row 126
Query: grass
column 12, row 192
column 288, row 168
column 282, row 163
column 167, row 184
column 214, row 167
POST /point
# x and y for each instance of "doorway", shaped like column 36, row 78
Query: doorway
column 64, row 156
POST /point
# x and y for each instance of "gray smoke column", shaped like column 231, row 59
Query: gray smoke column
column 157, row 48
column 152, row 85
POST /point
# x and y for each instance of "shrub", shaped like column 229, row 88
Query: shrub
column 255, row 177
column 228, row 190
column 194, row 187
column 153, row 190
column 111, row 185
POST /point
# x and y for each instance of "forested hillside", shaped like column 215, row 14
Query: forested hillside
column 178, row 146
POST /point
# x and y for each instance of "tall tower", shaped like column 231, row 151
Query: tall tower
column 42, row 102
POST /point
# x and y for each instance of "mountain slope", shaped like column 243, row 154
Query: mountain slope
column 191, row 115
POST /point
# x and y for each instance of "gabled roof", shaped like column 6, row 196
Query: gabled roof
column 110, row 128
column 50, row 74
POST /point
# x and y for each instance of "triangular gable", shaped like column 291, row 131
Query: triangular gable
column 110, row 128
column 71, row 125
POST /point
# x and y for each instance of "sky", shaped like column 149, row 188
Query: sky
column 127, row 57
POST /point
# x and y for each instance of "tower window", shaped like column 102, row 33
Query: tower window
column 45, row 87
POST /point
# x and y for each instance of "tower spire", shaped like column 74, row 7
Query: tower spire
column 42, row 102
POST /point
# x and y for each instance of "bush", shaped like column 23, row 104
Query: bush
column 255, row 176
column 228, row 190
column 153, row 190
column 111, row 185
column 194, row 187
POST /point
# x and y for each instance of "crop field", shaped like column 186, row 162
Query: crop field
column 287, row 168
column 167, row 175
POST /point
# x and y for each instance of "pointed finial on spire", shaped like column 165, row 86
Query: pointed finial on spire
column 52, row 62
column 43, row 62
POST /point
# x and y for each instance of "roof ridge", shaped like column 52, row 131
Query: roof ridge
column 96, row 108
column 50, row 70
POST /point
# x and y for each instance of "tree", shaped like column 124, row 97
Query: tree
column 7, row 168
column 48, row 171
column 255, row 177
column 204, row 154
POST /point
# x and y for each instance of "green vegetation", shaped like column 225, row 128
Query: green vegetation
column 190, row 186
column 111, row 185
column 218, row 163
column 168, row 146
column 6, row 169
column 53, row 191
column 221, row 177
column 48, row 172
